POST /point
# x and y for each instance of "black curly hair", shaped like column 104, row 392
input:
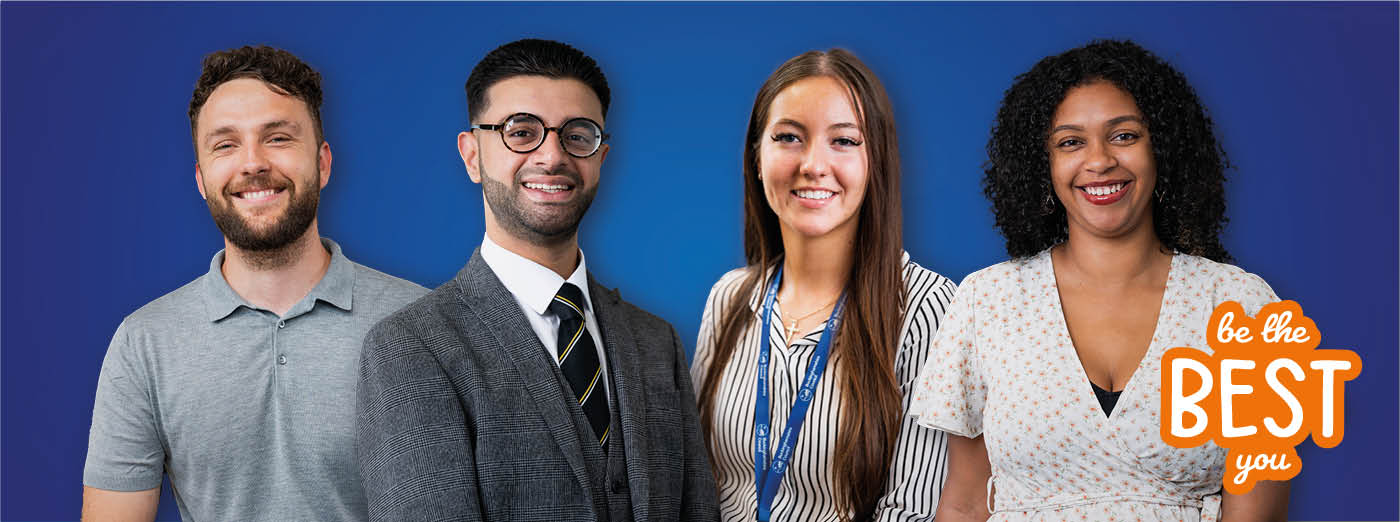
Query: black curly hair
column 1188, row 209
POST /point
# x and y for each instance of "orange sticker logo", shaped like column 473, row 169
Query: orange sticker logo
column 1264, row 389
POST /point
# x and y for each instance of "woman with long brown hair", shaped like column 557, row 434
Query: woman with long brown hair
column 807, row 355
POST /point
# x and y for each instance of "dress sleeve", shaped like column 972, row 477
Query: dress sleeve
column 125, row 452
column 951, row 391
column 920, row 460
column 1250, row 290
column 720, row 295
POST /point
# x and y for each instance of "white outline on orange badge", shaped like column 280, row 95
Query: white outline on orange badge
column 1264, row 388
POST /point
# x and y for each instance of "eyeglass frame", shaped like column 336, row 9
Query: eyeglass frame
column 496, row 127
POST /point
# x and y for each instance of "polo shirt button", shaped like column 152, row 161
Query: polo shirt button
column 281, row 324
column 281, row 359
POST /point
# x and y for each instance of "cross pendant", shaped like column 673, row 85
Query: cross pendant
column 792, row 330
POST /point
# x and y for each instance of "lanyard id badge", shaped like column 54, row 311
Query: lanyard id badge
column 767, row 476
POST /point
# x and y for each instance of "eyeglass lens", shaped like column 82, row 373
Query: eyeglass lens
column 523, row 133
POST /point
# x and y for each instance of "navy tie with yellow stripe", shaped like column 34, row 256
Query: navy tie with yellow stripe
column 578, row 360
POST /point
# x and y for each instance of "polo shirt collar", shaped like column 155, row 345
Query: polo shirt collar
column 336, row 287
column 530, row 282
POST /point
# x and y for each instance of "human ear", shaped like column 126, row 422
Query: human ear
column 470, row 151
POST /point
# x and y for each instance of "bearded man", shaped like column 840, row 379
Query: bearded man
column 240, row 385
column 523, row 389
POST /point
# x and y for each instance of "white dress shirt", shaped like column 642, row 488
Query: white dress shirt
column 534, row 287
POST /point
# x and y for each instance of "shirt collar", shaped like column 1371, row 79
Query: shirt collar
column 531, row 282
column 336, row 287
column 756, row 300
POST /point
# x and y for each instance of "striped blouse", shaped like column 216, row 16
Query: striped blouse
column 807, row 491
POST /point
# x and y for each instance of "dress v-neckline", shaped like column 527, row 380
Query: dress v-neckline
column 1085, row 391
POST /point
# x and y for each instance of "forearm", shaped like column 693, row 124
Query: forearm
column 1268, row 501
column 101, row 505
column 965, row 492
column 961, row 513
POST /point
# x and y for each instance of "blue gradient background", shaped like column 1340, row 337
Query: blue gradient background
column 101, row 215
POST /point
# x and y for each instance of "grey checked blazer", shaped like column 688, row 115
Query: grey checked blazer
column 461, row 416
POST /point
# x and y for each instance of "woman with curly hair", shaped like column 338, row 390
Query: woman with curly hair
column 1108, row 184
column 807, row 355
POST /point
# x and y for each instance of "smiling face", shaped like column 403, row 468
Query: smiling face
column 538, row 196
column 812, row 158
column 260, row 165
column 1101, row 163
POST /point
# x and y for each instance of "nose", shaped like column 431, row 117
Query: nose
column 254, row 159
column 816, row 163
column 1100, row 158
column 550, row 153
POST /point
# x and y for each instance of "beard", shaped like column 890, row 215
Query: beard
column 539, row 224
column 301, row 211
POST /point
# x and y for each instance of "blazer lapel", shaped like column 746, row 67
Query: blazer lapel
column 485, row 296
column 623, row 355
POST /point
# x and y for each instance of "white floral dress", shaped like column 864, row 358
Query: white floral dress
column 1003, row 366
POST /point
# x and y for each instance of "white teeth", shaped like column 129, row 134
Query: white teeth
column 259, row 194
column 1104, row 190
column 546, row 187
column 815, row 194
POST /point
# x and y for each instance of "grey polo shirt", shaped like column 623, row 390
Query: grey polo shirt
column 252, row 415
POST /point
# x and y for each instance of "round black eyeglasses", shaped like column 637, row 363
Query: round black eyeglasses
column 524, row 132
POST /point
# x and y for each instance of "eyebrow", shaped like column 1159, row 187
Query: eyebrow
column 1110, row 123
column 842, row 125
column 786, row 121
column 271, row 125
column 1129, row 117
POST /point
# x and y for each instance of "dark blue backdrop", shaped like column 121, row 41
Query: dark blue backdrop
column 101, row 215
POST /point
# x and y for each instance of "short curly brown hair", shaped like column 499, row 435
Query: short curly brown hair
column 1189, row 210
column 279, row 69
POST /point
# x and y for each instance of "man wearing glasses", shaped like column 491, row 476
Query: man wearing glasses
column 522, row 389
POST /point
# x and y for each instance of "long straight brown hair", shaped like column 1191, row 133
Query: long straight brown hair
column 865, row 346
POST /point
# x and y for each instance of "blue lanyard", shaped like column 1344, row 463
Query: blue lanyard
column 766, row 479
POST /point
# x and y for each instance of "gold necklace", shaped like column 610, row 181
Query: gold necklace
column 792, row 329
